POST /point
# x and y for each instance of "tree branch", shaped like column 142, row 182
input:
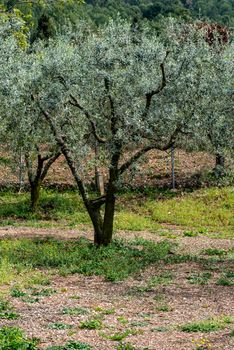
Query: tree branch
column 47, row 166
column 150, row 95
column 74, row 102
column 148, row 148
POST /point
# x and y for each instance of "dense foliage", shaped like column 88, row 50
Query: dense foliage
column 213, row 10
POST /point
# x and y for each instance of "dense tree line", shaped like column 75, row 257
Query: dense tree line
column 213, row 10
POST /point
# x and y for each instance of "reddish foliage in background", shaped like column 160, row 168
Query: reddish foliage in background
column 214, row 31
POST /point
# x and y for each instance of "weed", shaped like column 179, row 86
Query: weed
column 202, row 344
column 199, row 278
column 139, row 324
column 232, row 333
column 126, row 346
column 209, row 325
column 75, row 311
column 17, row 293
column 159, row 329
column 163, row 308
column 223, row 281
column 210, row 208
column 45, row 292
column 30, row 300
column 91, row 324
column 122, row 320
column 163, row 279
column 71, row 345
column 59, row 326
column 190, row 234
column 104, row 311
column 12, row 338
column 214, row 251
column 6, row 311
column 119, row 336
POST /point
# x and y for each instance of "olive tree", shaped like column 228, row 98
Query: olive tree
column 123, row 88
column 18, row 132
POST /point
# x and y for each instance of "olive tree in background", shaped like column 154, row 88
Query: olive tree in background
column 20, row 134
column 126, row 89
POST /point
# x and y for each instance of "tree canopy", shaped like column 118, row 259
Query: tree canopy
column 125, row 88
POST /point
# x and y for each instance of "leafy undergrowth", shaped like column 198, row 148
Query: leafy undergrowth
column 114, row 262
column 12, row 338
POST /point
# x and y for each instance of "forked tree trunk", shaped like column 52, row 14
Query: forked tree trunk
column 36, row 179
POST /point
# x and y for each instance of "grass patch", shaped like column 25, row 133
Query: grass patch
column 12, row 338
column 204, row 211
column 209, row 325
column 210, row 208
column 115, row 262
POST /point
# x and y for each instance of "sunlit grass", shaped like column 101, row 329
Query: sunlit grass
column 210, row 208
column 206, row 211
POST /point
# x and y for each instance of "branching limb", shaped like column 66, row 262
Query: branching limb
column 47, row 166
column 149, row 95
column 148, row 148
column 74, row 102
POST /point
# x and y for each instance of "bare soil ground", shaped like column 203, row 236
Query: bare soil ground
column 154, row 170
column 137, row 310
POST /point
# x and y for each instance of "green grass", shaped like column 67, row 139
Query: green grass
column 210, row 208
column 201, row 212
column 208, row 325
column 12, row 338
column 115, row 262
